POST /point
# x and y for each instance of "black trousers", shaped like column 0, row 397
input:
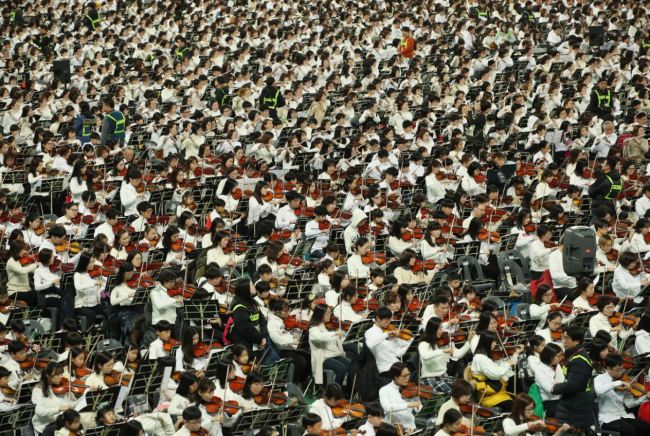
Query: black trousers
column 628, row 427
column 550, row 407
column 90, row 313
column 301, row 362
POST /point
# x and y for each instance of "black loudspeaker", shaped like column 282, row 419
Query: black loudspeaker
column 579, row 251
column 596, row 36
column 61, row 69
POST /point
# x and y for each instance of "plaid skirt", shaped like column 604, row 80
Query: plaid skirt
column 441, row 383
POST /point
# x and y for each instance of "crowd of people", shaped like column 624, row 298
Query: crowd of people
column 371, row 196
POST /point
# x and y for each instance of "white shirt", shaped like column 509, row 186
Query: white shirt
column 106, row 230
column 395, row 407
column 434, row 360
column 611, row 403
column 642, row 343
column 278, row 333
column 546, row 377
column 556, row 268
column 163, row 306
column 43, row 277
column 286, row 218
column 601, row 322
column 386, row 351
column 130, row 199
column 325, row 412
column 122, row 295
column 641, row 206
column 344, row 312
column 157, row 350
column 312, row 230
column 356, row 268
column 87, row 290
column 539, row 256
column 624, row 284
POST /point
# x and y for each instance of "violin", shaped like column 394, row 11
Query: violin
column 409, row 234
column 339, row 431
column 82, row 371
column 354, row 410
column 612, row 255
column 201, row 349
column 476, row 430
column 275, row 282
column 445, row 339
column 77, row 387
column 186, row 293
column 423, row 265
column 412, row 390
column 446, row 176
column 140, row 281
column 506, row 351
column 28, row 260
column 269, row 396
column 34, row 362
column 286, row 259
column 566, row 308
column 372, row 257
column 333, row 324
column 71, row 247
column 291, row 323
column 8, row 391
column 114, row 378
column 9, row 306
column 280, row 234
column 480, row 411
column 237, row 384
column 551, row 425
column 201, row 432
column 371, row 304
column 169, row 344
column 484, row 235
column 636, row 389
column 101, row 271
column 216, row 404
column 626, row 319
column 179, row 245
column 556, row 335
column 404, row 334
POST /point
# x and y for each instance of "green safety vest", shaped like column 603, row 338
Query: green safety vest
column 254, row 317
column 273, row 100
column 12, row 16
column 86, row 128
column 583, row 358
column 529, row 16
column 95, row 22
column 482, row 13
column 119, row 123
column 614, row 189
column 181, row 53
column 606, row 98
column 644, row 44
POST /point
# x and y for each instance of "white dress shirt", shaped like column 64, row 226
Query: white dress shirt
column 129, row 198
column 87, row 290
column 325, row 412
column 396, row 410
column 626, row 285
column 611, row 403
column 546, row 377
column 539, row 255
column 386, row 351
column 434, row 360
column 556, row 267
column 163, row 306
column 286, row 218
column 278, row 333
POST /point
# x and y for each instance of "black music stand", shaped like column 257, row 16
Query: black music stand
column 52, row 341
column 51, row 186
column 582, row 319
column 24, row 416
column 92, row 339
column 24, row 392
column 297, row 286
column 218, row 360
column 97, row 399
column 507, row 243
column 147, row 379
column 141, row 296
column 107, row 430
column 358, row 330
column 255, row 419
column 470, row 249
column 159, row 198
column 277, row 371
column 526, row 326
column 201, row 311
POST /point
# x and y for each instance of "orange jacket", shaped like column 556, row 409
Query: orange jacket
column 406, row 47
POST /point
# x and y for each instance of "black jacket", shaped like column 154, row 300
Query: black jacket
column 576, row 405
column 245, row 330
column 496, row 177
column 271, row 92
column 601, row 186
column 602, row 110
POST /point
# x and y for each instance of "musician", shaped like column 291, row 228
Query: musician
column 450, row 423
column 525, row 238
column 145, row 213
column 351, row 232
column 312, row 230
column 87, row 289
column 48, row 405
column 194, row 421
column 106, row 228
column 478, row 210
column 613, row 404
column 32, row 223
column 434, row 358
column 642, row 204
column 605, row 247
column 600, row 321
column 469, row 183
column 404, row 272
column 17, row 351
column 584, row 291
column 259, row 210
column 185, row 357
column 547, row 374
column 543, row 304
column 7, row 401
column 539, row 253
column 627, row 282
column 384, row 344
column 398, row 410
column 18, row 275
column 287, row 218
column 186, row 393
column 326, row 346
column 218, row 255
column 129, row 197
column 553, row 324
column 491, row 376
column 313, row 424
column 430, row 249
column 356, row 267
column 439, row 308
column 323, row 408
column 396, row 242
column 343, row 309
column 285, row 341
column 520, row 420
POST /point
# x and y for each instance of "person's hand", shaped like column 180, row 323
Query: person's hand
column 393, row 334
column 64, row 407
column 565, row 427
column 471, row 335
column 218, row 418
column 340, row 333
column 414, row 404
column 536, row 424
column 448, row 350
column 179, row 299
column 56, row 281
column 263, row 343
column 231, row 263
column 644, row 282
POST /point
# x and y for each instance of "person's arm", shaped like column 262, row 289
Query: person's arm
column 427, row 352
column 537, row 311
column 602, row 385
column 493, row 370
column 17, row 268
column 374, row 338
column 277, row 336
column 577, row 378
column 161, row 301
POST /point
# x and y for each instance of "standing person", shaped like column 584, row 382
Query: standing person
column 271, row 98
column 113, row 126
column 407, row 44
column 248, row 326
column 576, row 403
column 601, row 100
column 606, row 187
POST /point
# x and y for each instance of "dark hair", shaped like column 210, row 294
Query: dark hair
column 52, row 369
column 386, row 429
column 596, row 346
column 430, row 331
column 333, row 391
column 191, row 413
column 612, row 360
column 451, row 416
column 67, row 417
column 576, row 333
column 310, row 419
column 84, row 262
column 518, row 413
column 485, row 341
column 318, row 316
column 549, row 352
column 460, row 388
column 396, row 369
column 252, row 377
column 131, row 428
column 102, row 358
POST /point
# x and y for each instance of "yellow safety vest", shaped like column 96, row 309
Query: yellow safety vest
column 119, row 124
column 614, row 189
column 583, row 358
column 272, row 102
column 94, row 22
column 606, row 98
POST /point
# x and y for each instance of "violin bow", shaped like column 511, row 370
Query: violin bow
column 268, row 400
